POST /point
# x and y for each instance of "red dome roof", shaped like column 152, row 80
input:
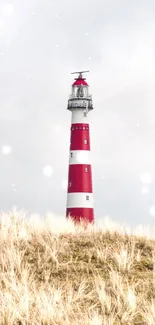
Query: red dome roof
column 80, row 82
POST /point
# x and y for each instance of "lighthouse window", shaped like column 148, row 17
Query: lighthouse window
column 83, row 127
column 71, row 154
column 85, row 141
column 87, row 197
column 85, row 114
column 70, row 184
column 86, row 169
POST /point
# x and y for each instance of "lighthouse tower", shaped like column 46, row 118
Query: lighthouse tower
column 80, row 189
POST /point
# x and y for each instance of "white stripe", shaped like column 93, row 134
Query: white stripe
column 80, row 200
column 80, row 157
column 78, row 116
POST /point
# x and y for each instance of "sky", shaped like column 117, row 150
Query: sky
column 41, row 43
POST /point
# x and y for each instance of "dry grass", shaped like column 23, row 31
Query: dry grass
column 74, row 275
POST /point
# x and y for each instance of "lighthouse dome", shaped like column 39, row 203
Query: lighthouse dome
column 80, row 82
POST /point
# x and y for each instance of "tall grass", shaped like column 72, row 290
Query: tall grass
column 52, row 272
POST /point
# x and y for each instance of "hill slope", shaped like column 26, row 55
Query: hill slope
column 77, row 277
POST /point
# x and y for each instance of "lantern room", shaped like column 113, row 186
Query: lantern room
column 80, row 87
column 80, row 97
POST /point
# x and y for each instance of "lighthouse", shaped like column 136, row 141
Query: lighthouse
column 80, row 205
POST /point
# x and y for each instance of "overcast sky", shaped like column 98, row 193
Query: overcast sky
column 41, row 43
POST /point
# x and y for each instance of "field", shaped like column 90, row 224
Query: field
column 65, row 274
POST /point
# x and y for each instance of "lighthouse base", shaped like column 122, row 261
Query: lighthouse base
column 81, row 214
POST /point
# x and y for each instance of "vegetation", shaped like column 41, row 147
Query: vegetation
column 77, row 276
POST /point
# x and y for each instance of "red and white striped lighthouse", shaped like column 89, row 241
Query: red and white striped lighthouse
column 80, row 190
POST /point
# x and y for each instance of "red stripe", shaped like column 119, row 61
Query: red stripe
column 77, row 214
column 80, row 179
column 80, row 126
column 80, row 138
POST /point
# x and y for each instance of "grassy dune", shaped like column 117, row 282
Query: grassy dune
column 74, row 276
